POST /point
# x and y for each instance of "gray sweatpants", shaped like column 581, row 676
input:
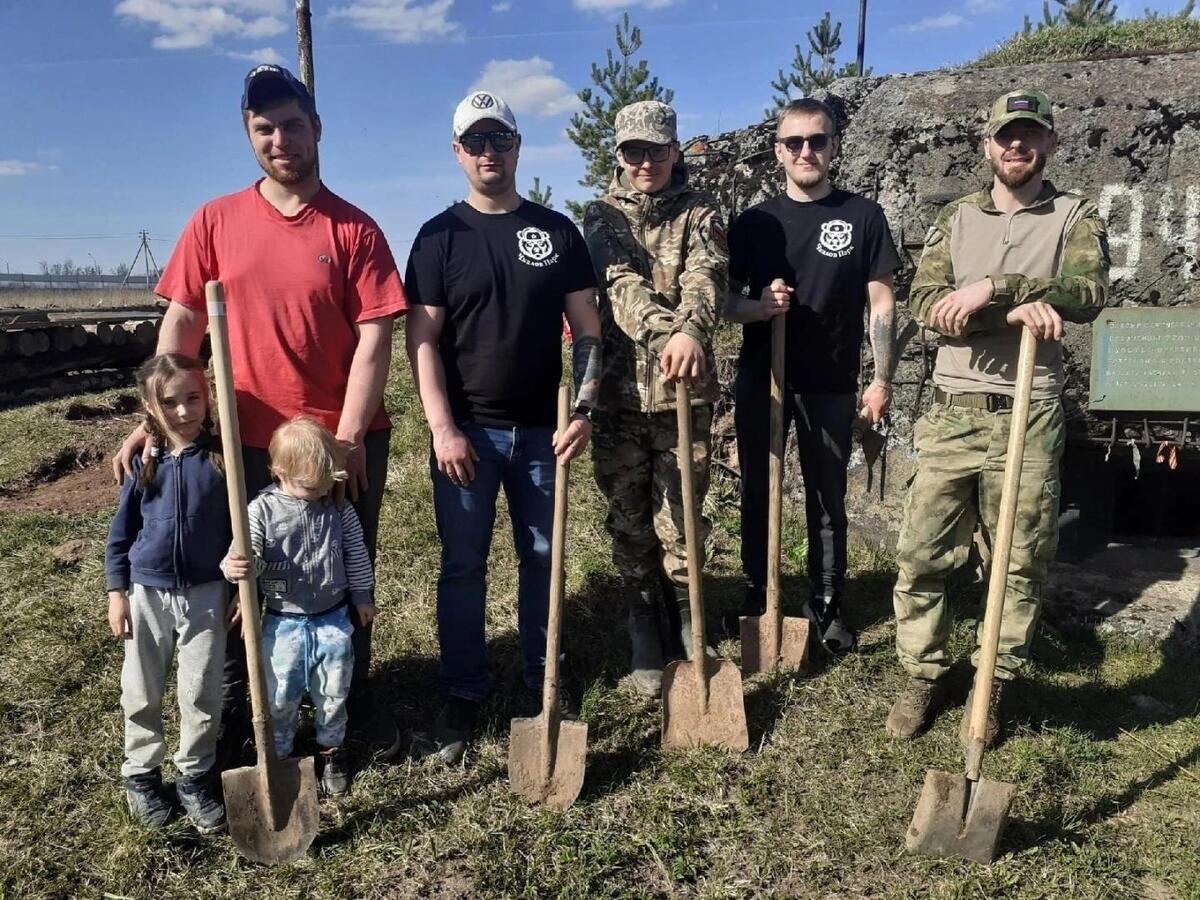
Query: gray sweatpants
column 193, row 621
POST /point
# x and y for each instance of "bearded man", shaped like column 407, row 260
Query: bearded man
column 1020, row 254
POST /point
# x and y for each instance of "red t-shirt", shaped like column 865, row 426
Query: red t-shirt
column 294, row 288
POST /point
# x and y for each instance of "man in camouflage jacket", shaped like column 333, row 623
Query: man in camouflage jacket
column 1021, row 254
column 660, row 254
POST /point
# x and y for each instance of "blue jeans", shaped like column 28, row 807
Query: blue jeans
column 522, row 461
column 311, row 655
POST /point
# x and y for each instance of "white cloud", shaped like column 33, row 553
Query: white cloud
column 988, row 6
column 610, row 5
column 528, row 86
column 935, row 23
column 401, row 21
column 501, row 7
column 260, row 56
column 22, row 167
column 187, row 24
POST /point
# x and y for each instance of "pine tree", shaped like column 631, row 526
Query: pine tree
column 539, row 196
column 616, row 85
column 824, row 41
column 1078, row 12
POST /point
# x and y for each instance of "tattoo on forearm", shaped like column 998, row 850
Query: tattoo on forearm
column 883, row 344
column 585, row 367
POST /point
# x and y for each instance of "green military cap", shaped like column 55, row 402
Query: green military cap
column 1022, row 104
column 646, row 120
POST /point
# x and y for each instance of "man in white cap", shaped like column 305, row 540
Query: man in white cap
column 489, row 280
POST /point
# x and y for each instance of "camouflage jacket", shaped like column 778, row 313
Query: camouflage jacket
column 662, row 263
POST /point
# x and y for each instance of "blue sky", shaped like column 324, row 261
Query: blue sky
column 119, row 115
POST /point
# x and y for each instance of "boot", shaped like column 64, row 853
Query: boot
column 994, row 717
column 684, row 606
column 647, row 665
column 753, row 604
column 915, row 708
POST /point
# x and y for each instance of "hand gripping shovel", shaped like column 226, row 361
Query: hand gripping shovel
column 770, row 641
column 965, row 816
column 271, row 807
column 545, row 754
column 702, row 698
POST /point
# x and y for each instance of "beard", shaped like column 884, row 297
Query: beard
column 1017, row 177
column 301, row 171
column 808, row 178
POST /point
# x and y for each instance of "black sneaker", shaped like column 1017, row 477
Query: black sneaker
column 454, row 728
column 753, row 604
column 372, row 729
column 832, row 633
column 201, row 803
column 335, row 772
column 148, row 801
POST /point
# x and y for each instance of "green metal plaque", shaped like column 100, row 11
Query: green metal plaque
column 1146, row 360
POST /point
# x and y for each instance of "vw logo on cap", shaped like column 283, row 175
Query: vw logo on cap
column 483, row 101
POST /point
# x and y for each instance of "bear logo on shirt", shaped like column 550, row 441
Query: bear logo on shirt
column 835, row 239
column 534, row 248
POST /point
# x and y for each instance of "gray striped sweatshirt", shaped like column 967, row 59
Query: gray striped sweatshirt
column 308, row 554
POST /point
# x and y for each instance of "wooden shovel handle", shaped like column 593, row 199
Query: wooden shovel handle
column 683, row 409
column 774, row 622
column 231, row 444
column 550, row 710
column 985, row 674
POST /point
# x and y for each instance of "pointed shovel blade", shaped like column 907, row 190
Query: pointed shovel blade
column 957, row 818
column 291, row 784
column 686, row 723
column 758, row 654
column 526, row 743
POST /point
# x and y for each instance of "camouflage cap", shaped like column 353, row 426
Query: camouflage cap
column 1022, row 104
column 647, row 120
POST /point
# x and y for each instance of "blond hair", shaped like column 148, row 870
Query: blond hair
column 150, row 378
column 305, row 453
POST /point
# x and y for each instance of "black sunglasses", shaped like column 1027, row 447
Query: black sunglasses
column 795, row 144
column 501, row 141
column 635, row 156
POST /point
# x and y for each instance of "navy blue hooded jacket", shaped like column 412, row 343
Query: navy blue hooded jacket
column 173, row 533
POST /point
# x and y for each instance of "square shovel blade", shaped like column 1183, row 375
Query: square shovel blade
column 526, row 742
column 758, row 654
column 957, row 818
column 248, row 800
column 684, row 722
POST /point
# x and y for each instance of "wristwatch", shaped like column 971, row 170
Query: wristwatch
column 584, row 411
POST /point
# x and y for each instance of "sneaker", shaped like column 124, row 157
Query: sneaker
column 335, row 771
column 372, row 729
column 915, row 708
column 832, row 633
column 148, row 801
column 753, row 604
column 994, row 717
column 201, row 803
column 454, row 728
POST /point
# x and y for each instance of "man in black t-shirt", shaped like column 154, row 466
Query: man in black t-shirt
column 489, row 281
column 820, row 256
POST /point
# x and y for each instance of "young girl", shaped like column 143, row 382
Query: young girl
column 165, row 592
column 312, row 567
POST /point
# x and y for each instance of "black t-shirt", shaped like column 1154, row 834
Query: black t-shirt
column 827, row 250
column 503, row 280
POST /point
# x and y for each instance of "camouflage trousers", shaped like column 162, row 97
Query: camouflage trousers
column 957, row 483
column 637, row 468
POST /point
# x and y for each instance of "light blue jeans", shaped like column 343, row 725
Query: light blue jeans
column 308, row 655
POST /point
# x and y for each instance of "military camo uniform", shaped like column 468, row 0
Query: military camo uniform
column 662, row 262
column 1054, row 251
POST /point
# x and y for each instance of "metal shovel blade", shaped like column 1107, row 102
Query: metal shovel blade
column 526, row 743
column 957, row 818
column 258, row 835
column 759, row 653
column 686, row 721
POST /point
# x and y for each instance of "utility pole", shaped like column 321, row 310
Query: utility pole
column 862, row 36
column 143, row 250
column 304, row 46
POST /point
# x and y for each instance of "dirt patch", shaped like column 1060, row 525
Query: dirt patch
column 81, row 490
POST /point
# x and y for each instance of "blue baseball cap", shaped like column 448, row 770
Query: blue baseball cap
column 269, row 72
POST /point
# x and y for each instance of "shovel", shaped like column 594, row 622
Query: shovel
column 965, row 816
column 770, row 641
column 546, row 754
column 702, row 698
column 271, row 807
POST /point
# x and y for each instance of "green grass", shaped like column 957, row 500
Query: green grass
column 817, row 808
column 1129, row 37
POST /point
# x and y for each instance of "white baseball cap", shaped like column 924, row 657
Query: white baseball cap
column 479, row 105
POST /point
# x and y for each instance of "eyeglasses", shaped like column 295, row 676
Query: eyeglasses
column 795, row 144
column 501, row 141
column 635, row 156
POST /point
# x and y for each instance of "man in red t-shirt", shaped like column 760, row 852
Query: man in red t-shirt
column 312, row 292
